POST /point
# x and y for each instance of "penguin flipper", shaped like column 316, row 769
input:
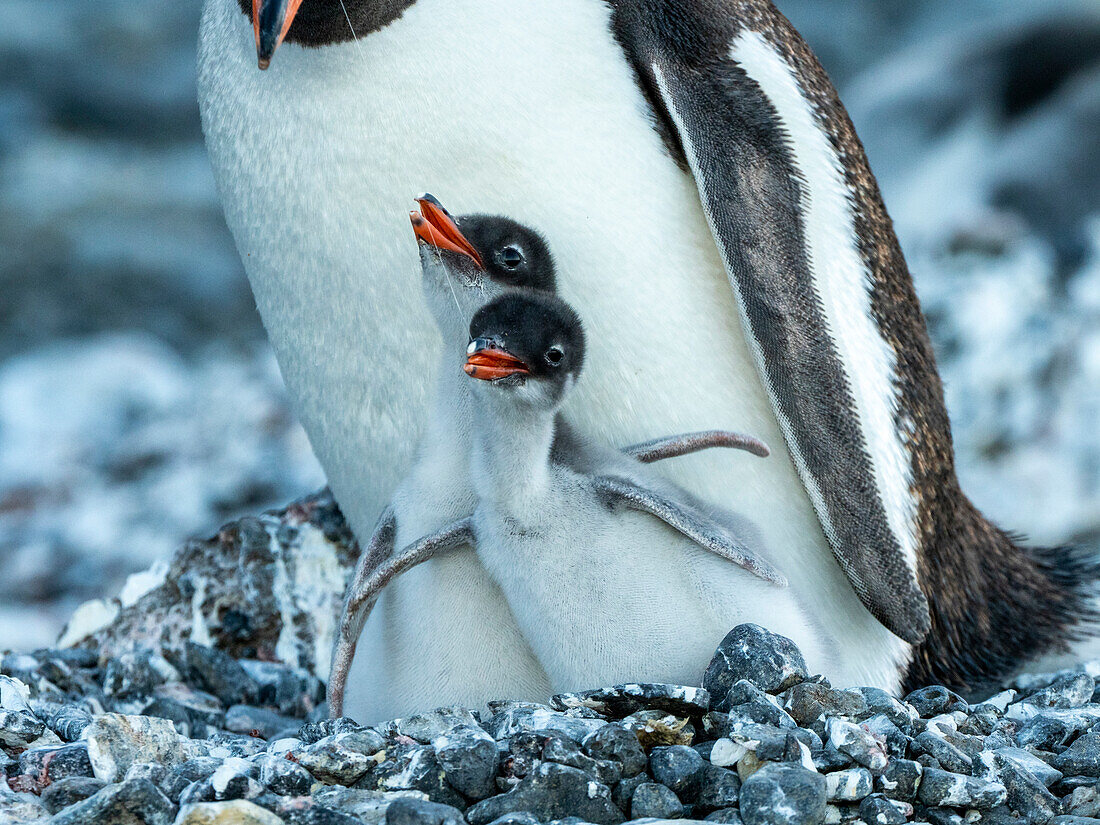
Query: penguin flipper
column 825, row 298
column 377, row 568
column 674, row 446
column 688, row 521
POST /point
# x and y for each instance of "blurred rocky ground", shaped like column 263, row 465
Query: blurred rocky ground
column 139, row 404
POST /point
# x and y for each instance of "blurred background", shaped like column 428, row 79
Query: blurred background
column 140, row 404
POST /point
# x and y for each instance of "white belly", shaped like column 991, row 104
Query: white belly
column 531, row 114
column 640, row 602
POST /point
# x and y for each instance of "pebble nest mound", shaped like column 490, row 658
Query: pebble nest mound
column 193, row 735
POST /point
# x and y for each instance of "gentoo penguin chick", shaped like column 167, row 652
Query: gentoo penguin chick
column 615, row 558
column 587, row 544
column 444, row 633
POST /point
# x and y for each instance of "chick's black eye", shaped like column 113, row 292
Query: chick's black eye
column 554, row 355
column 510, row 257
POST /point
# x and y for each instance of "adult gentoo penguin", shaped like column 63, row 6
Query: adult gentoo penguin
column 714, row 216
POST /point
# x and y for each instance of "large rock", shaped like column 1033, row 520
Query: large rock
column 771, row 662
column 552, row 792
column 268, row 588
column 115, row 742
column 133, row 802
column 783, row 795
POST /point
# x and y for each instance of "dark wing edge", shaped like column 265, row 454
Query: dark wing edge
column 689, row 522
column 740, row 145
column 377, row 567
column 675, row 446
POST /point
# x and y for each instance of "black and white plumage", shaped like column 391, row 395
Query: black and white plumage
column 709, row 134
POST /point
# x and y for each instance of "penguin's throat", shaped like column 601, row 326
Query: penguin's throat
column 511, row 453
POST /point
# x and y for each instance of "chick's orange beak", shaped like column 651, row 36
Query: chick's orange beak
column 271, row 21
column 488, row 363
column 433, row 226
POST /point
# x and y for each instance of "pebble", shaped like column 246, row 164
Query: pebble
column 1082, row 802
column 935, row 699
column 70, row 790
column 341, row 759
column 616, row 742
column 18, row 728
column 623, row 793
column 51, row 764
column 132, row 800
column 848, row 786
column 413, row 768
column 678, row 767
column 135, row 673
column 422, row 812
column 469, row 758
column 367, row 806
column 810, row 702
column 116, row 742
column 69, row 722
column 901, row 779
column 718, row 788
column 290, row 690
column 1082, row 758
column 426, row 727
column 949, row 757
column 1029, row 762
column 14, row 695
column 879, row 810
column 771, row 662
column 567, row 752
column 1047, row 731
column 552, row 792
column 942, row 788
column 510, row 718
column 1070, row 691
column 651, row 799
column 783, row 795
column 236, row 812
column 220, row 674
column 1026, row 794
column 857, row 743
column 623, row 700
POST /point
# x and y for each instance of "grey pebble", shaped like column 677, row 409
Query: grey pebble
column 878, row 810
column 771, row 662
column 422, row 812
column 783, row 795
column 133, row 799
column 1082, row 758
column 469, row 758
column 70, row 790
column 552, row 791
column 652, row 799
column 616, row 742
column 623, row 700
column 677, row 767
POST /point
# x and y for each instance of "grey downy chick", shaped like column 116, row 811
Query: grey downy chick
column 539, row 491
column 444, row 633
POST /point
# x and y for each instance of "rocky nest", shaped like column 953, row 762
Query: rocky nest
column 192, row 735
column 196, row 697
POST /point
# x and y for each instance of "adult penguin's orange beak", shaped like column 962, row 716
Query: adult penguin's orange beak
column 271, row 21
